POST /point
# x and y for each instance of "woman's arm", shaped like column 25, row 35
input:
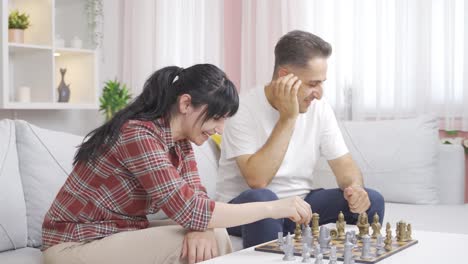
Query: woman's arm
column 228, row 215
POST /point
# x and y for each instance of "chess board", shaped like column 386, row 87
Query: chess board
column 273, row 247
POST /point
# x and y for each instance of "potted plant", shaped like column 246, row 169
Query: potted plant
column 17, row 23
column 115, row 96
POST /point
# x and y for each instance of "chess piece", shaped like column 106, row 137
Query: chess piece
column 307, row 236
column 333, row 257
column 366, row 243
column 340, row 226
column 376, row 226
column 408, row 232
column 363, row 224
column 380, row 245
column 388, row 227
column 288, row 248
column 401, row 232
column 319, row 259
column 280, row 239
column 317, row 250
column 315, row 224
column 298, row 232
column 388, row 239
column 305, row 253
column 324, row 239
column 348, row 254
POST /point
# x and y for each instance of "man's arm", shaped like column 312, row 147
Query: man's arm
column 349, row 179
column 259, row 168
column 346, row 171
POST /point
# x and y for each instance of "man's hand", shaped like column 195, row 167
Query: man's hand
column 358, row 199
column 199, row 246
column 284, row 96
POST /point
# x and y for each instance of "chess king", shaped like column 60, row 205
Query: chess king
column 271, row 146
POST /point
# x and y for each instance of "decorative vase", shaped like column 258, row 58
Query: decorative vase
column 63, row 89
column 16, row 35
column 23, row 94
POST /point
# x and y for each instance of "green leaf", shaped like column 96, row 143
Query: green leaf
column 115, row 96
column 451, row 132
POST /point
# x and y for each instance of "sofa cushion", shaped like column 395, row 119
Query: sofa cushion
column 396, row 157
column 45, row 159
column 13, row 229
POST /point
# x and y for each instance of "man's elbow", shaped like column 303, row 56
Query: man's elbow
column 256, row 183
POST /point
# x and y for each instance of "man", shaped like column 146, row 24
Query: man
column 271, row 146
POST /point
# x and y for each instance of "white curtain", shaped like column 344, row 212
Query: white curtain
column 159, row 33
column 391, row 58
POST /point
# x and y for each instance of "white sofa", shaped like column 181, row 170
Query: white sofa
column 34, row 163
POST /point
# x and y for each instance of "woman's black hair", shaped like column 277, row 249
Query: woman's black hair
column 205, row 83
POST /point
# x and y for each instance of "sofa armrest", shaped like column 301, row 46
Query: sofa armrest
column 451, row 174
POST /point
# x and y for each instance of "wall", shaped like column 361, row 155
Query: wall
column 80, row 122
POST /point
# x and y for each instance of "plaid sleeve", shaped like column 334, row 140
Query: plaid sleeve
column 147, row 158
column 190, row 168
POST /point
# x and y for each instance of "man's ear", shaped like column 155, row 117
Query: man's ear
column 185, row 101
column 282, row 72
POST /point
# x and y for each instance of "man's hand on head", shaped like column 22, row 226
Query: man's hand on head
column 283, row 96
column 358, row 199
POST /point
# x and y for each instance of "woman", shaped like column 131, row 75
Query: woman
column 141, row 162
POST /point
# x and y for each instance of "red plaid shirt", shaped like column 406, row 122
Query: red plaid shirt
column 143, row 172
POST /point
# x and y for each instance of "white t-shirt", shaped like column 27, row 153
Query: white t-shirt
column 316, row 133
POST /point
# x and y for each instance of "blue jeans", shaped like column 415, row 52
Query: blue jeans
column 326, row 202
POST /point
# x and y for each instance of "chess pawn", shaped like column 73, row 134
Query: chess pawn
column 340, row 226
column 380, row 245
column 376, row 226
column 317, row 250
column 333, row 257
column 315, row 224
column 319, row 259
column 363, row 225
column 389, row 227
column 298, row 232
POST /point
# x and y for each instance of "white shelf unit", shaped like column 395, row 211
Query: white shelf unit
column 36, row 63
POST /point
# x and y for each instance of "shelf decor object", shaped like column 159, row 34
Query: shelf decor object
column 63, row 89
column 17, row 23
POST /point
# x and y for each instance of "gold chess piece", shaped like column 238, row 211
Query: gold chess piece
column 376, row 226
column 363, row 224
column 340, row 226
column 408, row 232
column 315, row 225
column 388, row 238
column 298, row 232
column 401, row 232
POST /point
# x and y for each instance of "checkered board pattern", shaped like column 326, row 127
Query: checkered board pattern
column 273, row 247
